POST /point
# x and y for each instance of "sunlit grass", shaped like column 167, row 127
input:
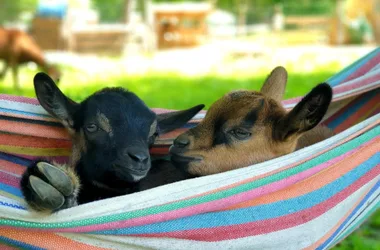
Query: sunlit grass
column 167, row 90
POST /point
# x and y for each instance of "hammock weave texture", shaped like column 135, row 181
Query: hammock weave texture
column 310, row 199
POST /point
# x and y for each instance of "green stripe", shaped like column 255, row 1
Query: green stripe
column 355, row 226
column 208, row 197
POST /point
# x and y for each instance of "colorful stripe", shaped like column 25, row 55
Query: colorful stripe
column 331, row 186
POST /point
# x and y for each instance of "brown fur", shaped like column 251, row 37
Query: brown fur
column 17, row 47
column 268, row 139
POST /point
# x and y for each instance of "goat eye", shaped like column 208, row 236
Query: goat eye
column 241, row 134
column 91, row 128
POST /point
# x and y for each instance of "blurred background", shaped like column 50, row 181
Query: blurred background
column 175, row 54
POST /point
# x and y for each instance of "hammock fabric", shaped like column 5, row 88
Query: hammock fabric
column 310, row 199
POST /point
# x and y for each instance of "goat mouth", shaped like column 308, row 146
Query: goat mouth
column 135, row 173
column 185, row 159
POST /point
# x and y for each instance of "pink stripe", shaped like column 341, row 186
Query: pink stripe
column 270, row 225
column 9, row 180
column 215, row 205
column 370, row 64
column 342, row 89
column 22, row 99
column 30, row 117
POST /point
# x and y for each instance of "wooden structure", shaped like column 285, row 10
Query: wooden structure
column 107, row 39
column 308, row 21
column 47, row 33
column 180, row 24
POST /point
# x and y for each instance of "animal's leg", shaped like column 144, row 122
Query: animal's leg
column 15, row 75
column 5, row 68
column 49, row 188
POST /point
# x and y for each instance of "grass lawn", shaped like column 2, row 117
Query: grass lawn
column 177, row 92
column 169, row 90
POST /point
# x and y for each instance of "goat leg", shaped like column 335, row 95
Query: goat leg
column 15, row 75
column 50, row 188
column 4, row 71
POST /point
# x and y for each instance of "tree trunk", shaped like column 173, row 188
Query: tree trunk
column 242, row 15
column 127, row 10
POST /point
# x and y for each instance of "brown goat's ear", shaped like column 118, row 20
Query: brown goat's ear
column 274, row 85
column 306, row 114
column 53, row 100
column 170, row 121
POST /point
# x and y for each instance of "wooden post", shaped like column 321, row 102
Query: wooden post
column 242, row 15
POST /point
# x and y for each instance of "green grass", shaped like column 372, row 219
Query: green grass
column 167, row 90
column 177, row 92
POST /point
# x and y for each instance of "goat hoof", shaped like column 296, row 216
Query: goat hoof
column 58, row 178
column 51, row 197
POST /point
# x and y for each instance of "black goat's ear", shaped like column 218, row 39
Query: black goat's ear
column 53, row 100
column 306, row 114
column 170, row 121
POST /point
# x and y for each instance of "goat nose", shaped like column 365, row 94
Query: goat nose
column 138, row 156
column 181, row 141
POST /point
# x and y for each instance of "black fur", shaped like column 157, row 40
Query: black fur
column 116, row 129
column 220, row 136
column 306, row 114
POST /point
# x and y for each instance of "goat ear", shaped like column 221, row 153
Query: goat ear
column 170, row 121
column 274, row 85
column 53, row 100
column 306, row 114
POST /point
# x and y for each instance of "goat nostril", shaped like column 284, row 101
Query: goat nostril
column 138, row 156
column 181, row 142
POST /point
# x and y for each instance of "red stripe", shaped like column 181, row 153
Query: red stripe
column 9, row 180
column 354, row 118
column 344, row 109
column 10, row 167
column 33, row 130
column 270, row 225
column 32, row 141
column 373, row 62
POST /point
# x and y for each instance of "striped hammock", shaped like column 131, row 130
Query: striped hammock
column 310, row 199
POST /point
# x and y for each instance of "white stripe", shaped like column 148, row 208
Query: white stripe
column 24, row 107
column 183, row 189
column 297, row 237
column 372, row 202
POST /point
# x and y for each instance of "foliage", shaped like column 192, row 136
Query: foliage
column 109, row 11
column 367, row 237
column 10, row 10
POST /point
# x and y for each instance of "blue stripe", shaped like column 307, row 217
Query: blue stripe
column 338, row 78
column 361, row 204
column 11, row 190
column 358, row 104
column 357, row 223
column 18, row 243
column 15, row 159
column 6, row 204
column 258, row 213
column 12, row 111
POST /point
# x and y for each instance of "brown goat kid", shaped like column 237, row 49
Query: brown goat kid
column 17, row 47
column 248, row 127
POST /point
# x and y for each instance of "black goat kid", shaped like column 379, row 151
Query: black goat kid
column 112, row 131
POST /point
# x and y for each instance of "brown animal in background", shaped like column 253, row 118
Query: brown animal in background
column 17, row 47
column 248, row 127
